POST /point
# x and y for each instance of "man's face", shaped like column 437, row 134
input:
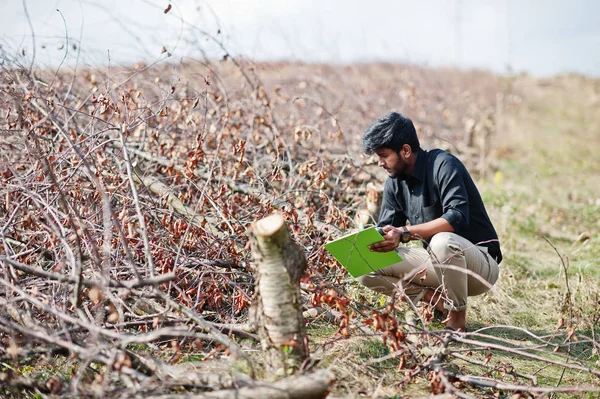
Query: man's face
column 393, row 163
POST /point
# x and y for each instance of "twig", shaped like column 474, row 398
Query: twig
column 9, row 327
column 569, row 299
column 490, row 383
column 157, row 187
column 525, row 354
column 482, row 364
column 206, row 325
column 32, row 36
column 136, row 283
column 136, row 201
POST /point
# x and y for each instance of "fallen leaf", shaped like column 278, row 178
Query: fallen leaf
column 487, row 359
column 571, row 334
column 95, row 295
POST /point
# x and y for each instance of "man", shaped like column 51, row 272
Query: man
column 435, row 193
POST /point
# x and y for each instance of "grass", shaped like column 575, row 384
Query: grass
column 550, row 189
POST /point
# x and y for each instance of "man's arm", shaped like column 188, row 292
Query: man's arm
column 453, row 193
column 419, row 231
column 427, row 230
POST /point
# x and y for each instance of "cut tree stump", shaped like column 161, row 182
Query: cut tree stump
column 277, row 308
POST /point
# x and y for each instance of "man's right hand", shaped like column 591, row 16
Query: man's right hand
column 391, row 241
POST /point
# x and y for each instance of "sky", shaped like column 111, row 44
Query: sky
column 539, row 37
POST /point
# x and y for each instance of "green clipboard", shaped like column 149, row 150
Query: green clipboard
column 352, row 251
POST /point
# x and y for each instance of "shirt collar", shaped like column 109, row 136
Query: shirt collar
column 420, row 165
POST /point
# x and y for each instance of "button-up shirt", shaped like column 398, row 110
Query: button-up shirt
column 440, row 186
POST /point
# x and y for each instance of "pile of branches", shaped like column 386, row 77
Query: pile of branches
column 124, row 216
column 126, row 196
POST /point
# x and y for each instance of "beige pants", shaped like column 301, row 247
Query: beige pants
column 452, row 265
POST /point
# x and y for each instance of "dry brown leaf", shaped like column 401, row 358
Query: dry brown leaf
column 571, row 334
column 95, row 295
column 488, row 357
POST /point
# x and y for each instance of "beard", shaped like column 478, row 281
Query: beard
column 401, row 173
column 400, row 170
column 399, row 176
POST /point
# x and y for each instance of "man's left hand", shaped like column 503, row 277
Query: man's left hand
column 391, row 241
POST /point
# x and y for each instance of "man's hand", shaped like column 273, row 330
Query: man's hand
column 391, row 235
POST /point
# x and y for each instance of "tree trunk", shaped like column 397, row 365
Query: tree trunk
column 309, row 386
column 312, row 386
column 277, row 309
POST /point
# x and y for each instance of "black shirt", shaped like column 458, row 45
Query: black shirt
column 440, row 186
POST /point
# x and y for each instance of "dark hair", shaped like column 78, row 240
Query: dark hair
column 392, row 131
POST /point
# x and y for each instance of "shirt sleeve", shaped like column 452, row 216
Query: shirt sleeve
column 391, row 213
column 453, row 194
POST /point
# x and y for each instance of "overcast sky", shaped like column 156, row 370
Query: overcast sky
column 542, row 37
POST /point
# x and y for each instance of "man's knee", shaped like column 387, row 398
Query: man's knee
column 364, row 280
column 443, row 247
column 377, row 283
column 371, row 280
